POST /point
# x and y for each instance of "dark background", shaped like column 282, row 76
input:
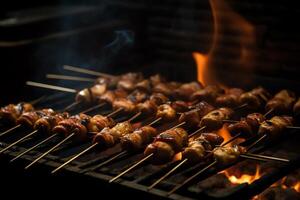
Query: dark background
column 152, row 36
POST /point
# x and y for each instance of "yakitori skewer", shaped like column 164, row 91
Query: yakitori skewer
column 36, row 121
column 175, row 131
column 10, row 113
column 155, row 98
column 225, row 156
column 195, row 151
column 114, row 135
column 47, row 124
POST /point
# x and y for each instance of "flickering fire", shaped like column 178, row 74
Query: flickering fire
column 245, row 39
column 282, row 183
column 245, row 178
column 178, row 156
column 224, row 133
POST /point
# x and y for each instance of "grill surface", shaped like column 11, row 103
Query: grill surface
column 140, row 178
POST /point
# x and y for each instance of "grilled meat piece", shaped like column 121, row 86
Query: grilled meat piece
column 156, row 79
column 108, row 137
column 255, row 99
column 166, row 112
column 166, row 89
column 208, row 94
column 110, row 82
column 180, row 106
column 193, row 117
column 99, row 122
column 127, row 106
column 144, row 85
column 177, row 138
column 48, row 122
column 10, row 113
column 109, row 96
column 196, row 151
column 248, row 126
column 147, row 108
column 275, row 127
column 134, row 77
column 282, row 102
column 90, row 95
column 166, row 145
column 227, row 155
column 138, row 96
column 138, row 139
column 28, row 119
column 230, row 99
column 158, row 98
column 214, row 119
column 74, row 124
column 185, row 90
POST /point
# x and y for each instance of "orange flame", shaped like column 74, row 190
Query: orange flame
column 246, row 40
column 178, row 156
column 245, row 178
column 224, row 133
column 282, row 183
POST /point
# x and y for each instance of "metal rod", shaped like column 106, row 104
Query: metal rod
column 256, row 142
column 268, row 157
column 178, row 125
column 191, row 178
column 87, row 71
column 134, row 116
column 49, row 151
column 197, row 131
column 253, row 158
column 167, row 174
column 70, row 78
column 75, row 157
column 155, row 121
column 293, row 127
column 18, row 141
column 110, row 160
column 9, row 130
column 269, row 112
column 231, row 139
column 94, row 107
column 33, row 147
column 114, row 112
column 130, row 168
column 240, row 107
column 72, row 105
column 52, row 87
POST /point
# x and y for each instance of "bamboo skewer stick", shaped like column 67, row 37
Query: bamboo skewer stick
column 71, row 78
column 50, row 150
column 52, row 87
column 18, row 141
column 33, row 147
column 87, row 71
column 10, row 130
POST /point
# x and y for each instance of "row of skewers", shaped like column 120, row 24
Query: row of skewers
column 194, row 114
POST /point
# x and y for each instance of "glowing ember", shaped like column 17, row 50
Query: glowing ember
column 297, row 187
column 177, row 156
column 245, row 178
